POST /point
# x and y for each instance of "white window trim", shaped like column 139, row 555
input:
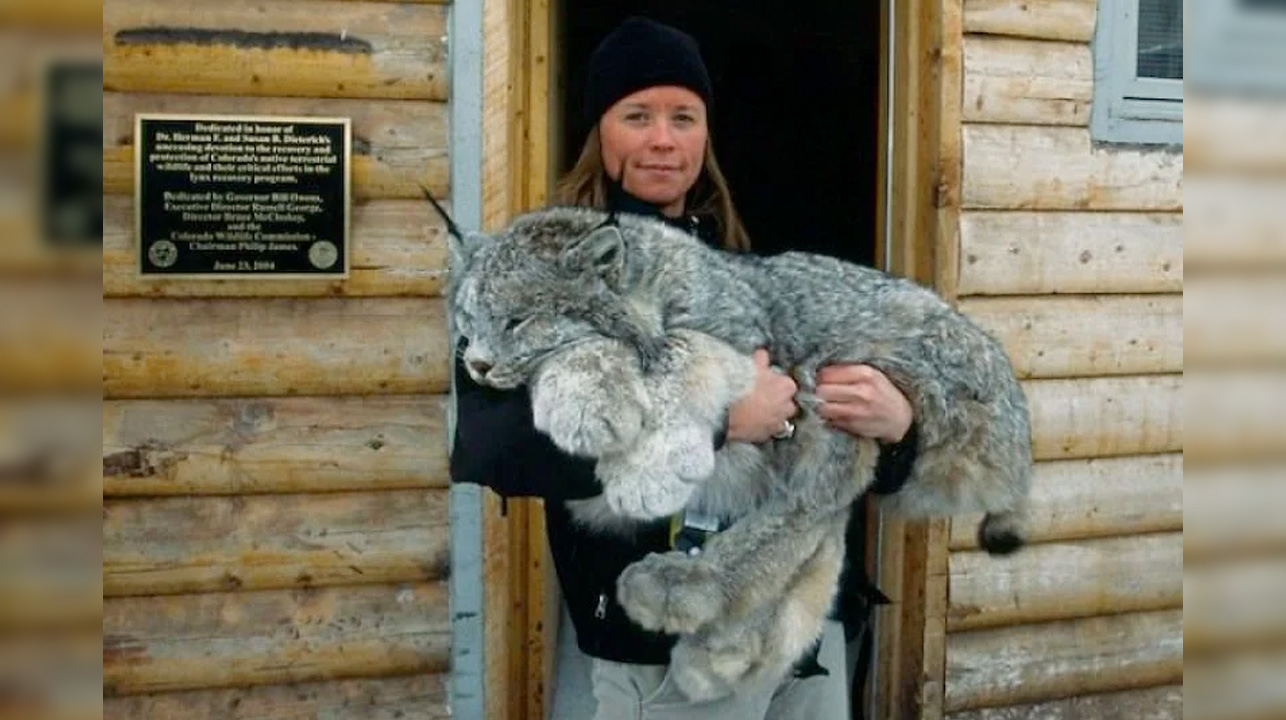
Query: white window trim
column 1128, row 108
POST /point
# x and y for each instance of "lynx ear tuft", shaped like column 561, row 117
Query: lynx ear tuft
column 601, row 252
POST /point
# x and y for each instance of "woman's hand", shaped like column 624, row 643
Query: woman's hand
column 763, row 413
column 861, row 400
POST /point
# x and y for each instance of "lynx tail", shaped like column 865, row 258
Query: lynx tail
column 1001, row 533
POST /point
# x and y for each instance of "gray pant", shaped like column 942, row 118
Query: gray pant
column 646, row 692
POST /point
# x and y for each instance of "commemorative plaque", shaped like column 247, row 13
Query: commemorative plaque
column 71, row 152
column 225, row 196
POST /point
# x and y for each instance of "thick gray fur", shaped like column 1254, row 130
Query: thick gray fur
column 635, row 339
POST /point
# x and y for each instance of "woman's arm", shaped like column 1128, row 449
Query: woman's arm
column 497, row 445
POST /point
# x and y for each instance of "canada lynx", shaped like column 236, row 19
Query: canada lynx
column 635, row 339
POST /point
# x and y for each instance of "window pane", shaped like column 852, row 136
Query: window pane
column 1161, row 39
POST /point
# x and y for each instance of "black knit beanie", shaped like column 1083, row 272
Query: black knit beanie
column 640, row 54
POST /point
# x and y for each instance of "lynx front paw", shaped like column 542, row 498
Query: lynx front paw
column 587, row 426
column 673, row 593
column 642, row 493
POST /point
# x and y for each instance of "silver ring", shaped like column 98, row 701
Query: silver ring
column 787, row 431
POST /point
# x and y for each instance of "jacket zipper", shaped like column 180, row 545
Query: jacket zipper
column 600, row 612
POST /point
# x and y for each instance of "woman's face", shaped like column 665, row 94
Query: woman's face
column 657, row 138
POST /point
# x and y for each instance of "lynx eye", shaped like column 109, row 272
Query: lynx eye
column 514, row 324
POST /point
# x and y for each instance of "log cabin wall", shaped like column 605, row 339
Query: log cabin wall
column 275, row 510
column 1071, row 253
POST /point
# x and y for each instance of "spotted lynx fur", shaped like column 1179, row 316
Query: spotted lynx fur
column 635, row 338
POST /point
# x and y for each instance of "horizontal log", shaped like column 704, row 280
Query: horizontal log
column 1085, row 335
column 1051, row 19
column 398, row 248
column 1235, row 221
column 52, row 675
column 1234, row 511
column 1105, row 497
column 1235, row 415
column 1235, row 321
column 1020, row 167
column 1234, row 135
column 271, row 637
column 1159, row 703
column 273, row 445
column 1033, row 663
column 1104, row 417
column 167, row 546
column 1240, row 685
column 49, row 336
column 1038, row 253
column 1058, row 581
column 1027, row 82
column 321, row 48
column 49, row 454
column 1235, row 604
column 398, row 146
column 52, row 579
column 413, row 697
column 196, row 348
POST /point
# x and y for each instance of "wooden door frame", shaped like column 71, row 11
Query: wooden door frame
column 918, row 233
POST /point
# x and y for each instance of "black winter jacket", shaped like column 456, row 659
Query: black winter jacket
column 497, row 445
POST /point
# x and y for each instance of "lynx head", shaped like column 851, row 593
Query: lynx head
column 552, row 278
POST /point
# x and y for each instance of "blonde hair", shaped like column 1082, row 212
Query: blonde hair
column 586, row 185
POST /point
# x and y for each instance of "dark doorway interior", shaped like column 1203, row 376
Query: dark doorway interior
column 795, row 125
column 796, row 115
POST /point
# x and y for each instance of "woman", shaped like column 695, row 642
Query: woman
column 648, row 152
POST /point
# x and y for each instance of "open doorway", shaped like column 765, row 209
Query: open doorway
column 796, row 122
column 796, row 110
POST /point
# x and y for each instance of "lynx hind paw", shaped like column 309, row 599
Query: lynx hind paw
column 710, row 665
column 670, row 592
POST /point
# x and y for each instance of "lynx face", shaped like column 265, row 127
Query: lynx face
column 548, row 282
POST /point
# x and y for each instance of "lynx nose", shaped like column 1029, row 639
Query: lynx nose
column 480, row 368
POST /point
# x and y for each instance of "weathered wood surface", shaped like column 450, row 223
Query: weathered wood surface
column 1160, row 703
column 52, row 675
column 1058, row 581
column 48, row 454
column 166, row 348
column 1033, row 663
column 273, row 445
column 1235, row 320
column 398, row 249
column 412, row 697
column 1103, row 417
column 1105, row 497
column 271, row 637
column 168, row 546
column 1235, row 415
column 1027, row 82
column 1234, row 135
column 52, row 579
column 1039, row 253
column 49, row 339
column 1019, row 167
column 397, row 145
column 1235, row 221
column 1052, row 19
column 1086, row 335
column 1235, row 604
column 1233, row 512
column 1240, row 685
column 321, row 48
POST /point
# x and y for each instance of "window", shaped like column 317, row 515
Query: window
column 1138, row 72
